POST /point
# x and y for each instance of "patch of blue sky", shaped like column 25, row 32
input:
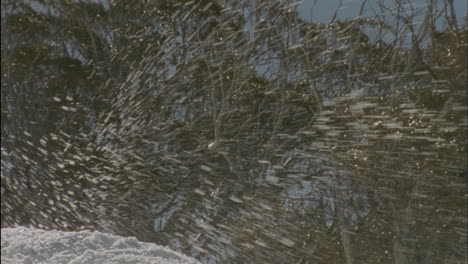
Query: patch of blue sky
column 323, row 11
column 163, row 215
column 180, row 112
column 314, row 11
column 267, row 66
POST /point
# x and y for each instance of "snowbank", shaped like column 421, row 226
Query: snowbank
column 28, row 246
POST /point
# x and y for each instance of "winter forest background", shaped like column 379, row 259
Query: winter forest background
column 240, row 131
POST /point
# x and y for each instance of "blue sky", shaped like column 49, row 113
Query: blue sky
column 324, row 9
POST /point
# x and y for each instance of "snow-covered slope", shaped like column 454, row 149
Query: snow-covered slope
column 27, row 245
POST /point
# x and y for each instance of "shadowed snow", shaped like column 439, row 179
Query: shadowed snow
column 27, row 245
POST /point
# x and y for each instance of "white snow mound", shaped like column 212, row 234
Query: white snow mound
column 28, row 246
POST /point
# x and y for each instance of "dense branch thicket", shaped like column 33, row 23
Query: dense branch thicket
column 238, row 132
